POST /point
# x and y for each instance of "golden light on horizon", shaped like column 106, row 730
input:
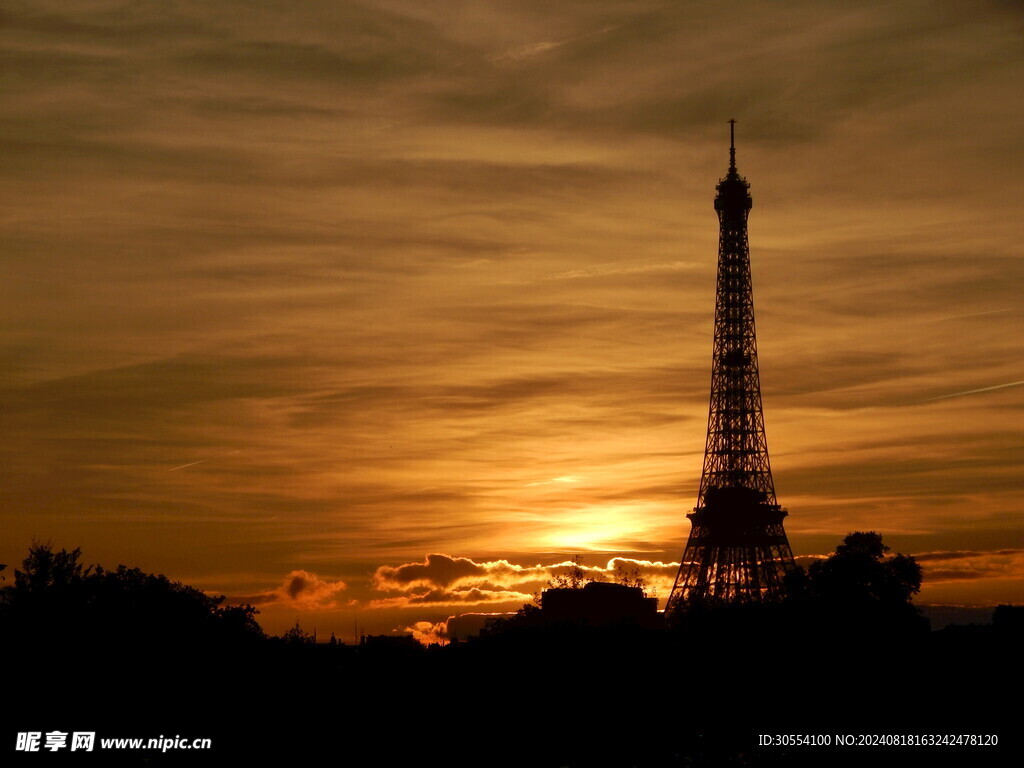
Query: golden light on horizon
column 606, row 528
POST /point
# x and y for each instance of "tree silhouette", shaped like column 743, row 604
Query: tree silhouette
column 50, row 573
column 631, row 577
column 58, row 601
column 860, row 571
column 860, row 587
column 574, row 577
column 297, row 636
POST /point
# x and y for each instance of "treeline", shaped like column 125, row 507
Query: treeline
column 57, row 602
column 844, row 651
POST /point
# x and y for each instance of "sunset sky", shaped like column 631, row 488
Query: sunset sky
column 296, row 295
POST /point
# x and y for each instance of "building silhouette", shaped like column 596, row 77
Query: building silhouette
column 737, row 550
column 599, row 604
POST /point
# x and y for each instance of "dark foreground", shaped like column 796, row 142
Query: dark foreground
column 559, row 696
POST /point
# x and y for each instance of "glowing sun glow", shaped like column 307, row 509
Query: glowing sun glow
column 610, row 528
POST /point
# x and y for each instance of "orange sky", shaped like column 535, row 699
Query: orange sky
column 297, row 295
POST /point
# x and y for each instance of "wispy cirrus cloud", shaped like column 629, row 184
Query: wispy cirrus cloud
column 969, row 565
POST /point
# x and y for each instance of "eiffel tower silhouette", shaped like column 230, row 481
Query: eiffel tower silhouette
column 737, row 550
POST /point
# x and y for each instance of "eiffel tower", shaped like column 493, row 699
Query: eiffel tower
column 737, row 550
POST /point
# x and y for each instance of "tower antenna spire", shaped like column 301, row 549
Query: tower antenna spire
column 732, row 145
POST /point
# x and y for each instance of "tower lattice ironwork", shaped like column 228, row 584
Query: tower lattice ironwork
column 737, row 548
